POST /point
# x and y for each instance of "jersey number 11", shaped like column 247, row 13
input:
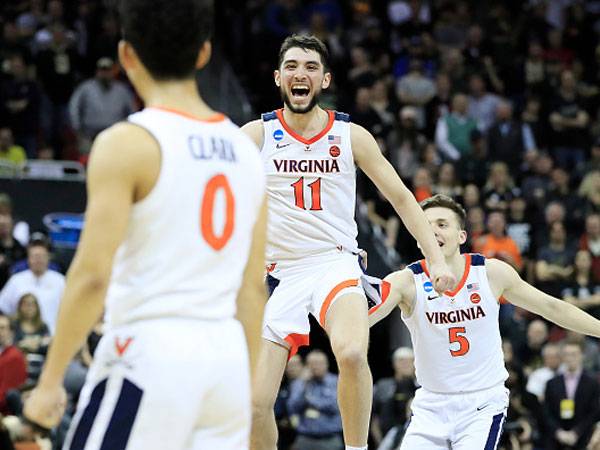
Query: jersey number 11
column 315, row 192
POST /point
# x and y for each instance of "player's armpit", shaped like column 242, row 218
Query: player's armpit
column 255, row 131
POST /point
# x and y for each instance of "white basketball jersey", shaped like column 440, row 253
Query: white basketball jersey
column 311, row 184
column 455, row 336
column 188, row 240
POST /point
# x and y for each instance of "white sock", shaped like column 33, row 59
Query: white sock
column 356, row 448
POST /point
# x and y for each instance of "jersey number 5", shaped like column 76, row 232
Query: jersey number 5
column 456, row 335
column 214, row 185
column 315, row 191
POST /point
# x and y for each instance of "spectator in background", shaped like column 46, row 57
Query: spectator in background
column 568, row 120
column 589, row 191
column 293, row 371
column 519, row 227
column 535, row 69
column 590, row 241
column 13, row 368
column 422, row 184
column 381, row 104
column 496, row 244
column 391, row 396
column 447, row 182
column 482, row 104
column 406, row 144
column 508, row 139
column 536, row 185
column 98, row 103
column 500, row 188
column 31, row 334
column 439, row 105
column 554, row 265
column 571, row 403
column 11, row 250
column 314, row 401
column 47, row 285
column 536, row 381
column 20, row 105
column 9, row 151
column 453, row 131
column 529, row 352
column 475, row 227
column 471, row 196
column 583, row 291
column 415, row 89
column 475, row 168
column 532, row 117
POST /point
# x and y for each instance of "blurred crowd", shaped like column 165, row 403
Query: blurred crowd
column 494, row 103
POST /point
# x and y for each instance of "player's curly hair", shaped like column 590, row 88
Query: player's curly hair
column 443, row 201
column 305, row 42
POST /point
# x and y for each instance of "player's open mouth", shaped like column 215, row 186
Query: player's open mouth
column 300, row 91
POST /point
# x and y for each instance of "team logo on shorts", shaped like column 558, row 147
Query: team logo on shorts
column 334, row 151
column 428, row 286
column 475, row 298
column 278, row 135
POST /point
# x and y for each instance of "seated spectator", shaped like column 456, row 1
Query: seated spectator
column 583, row 291
column 421, row 184
column 47, row 285
column 471, row 196
column 496, row 244
column 589, row 191
column 31, row 334
column 415, row 89
column 475, row 168
column 314, row 401
column 536, row 382
column 571, row 403
column 554, row 264
column 500, row 188
column 590, row 241
column 13, row 368
column 453, row 131
column 482, row 104
column 406, row 144
column 392, row 395
column 447, row 183
column 519, row 226
column 9, row 152
column 475, row 226
column 294, row 370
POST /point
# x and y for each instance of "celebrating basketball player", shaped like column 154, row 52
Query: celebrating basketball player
column 456, row 338
column 310, row 155
column 175, row 227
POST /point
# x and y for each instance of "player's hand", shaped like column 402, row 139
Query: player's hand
column 363, row 258
column 442, row 277
column 46, row 406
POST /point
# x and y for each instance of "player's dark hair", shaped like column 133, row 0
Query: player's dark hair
column 443, row 201
column 305, row 42
column 167, row 34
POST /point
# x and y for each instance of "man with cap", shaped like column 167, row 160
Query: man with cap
column 98, row 103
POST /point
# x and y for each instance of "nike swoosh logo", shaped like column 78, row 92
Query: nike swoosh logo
column 281, row 145
column 482, row 407
column 432, row 297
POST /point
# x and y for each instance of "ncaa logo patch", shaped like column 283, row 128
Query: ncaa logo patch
column 334, row 151
column 475, row 298
column 428, row 286
column 278, row 135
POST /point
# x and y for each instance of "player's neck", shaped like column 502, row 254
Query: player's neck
column 306, row 124
column 456, row 262
column 177, row 95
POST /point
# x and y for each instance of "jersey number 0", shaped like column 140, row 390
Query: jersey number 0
column 214, row 185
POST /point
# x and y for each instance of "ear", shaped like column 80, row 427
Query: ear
column 462, row 237
column 326, row 80
column 277, row 78
column 127, row 56
column 204, row 55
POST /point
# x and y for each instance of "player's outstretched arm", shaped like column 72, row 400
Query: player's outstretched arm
column 402, row 294
column 255, row 131
column 370, row 159
column 114, row 166
column 252, row 295
column 505, row 280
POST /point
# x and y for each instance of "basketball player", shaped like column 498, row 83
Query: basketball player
column 458, row 349
column 310, row 155
column 175, row 228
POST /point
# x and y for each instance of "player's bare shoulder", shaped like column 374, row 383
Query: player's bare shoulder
column 255, row 130
column 402, row 289
column 501, row 275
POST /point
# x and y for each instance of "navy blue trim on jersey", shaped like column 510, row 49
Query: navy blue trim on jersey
column 87, row 418
column 272, row 283
column 344, row 117
column 121, row 422
column 269, row 116
column 477, row 259
column 416, row 268
column 495, row 430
